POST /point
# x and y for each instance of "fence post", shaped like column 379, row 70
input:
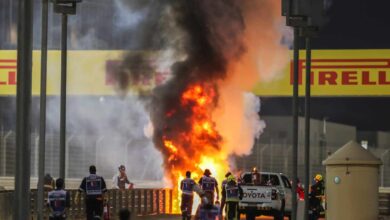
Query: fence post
column 115, row 200
column 139, row 202
column 164, row 200
column 79, row 205
column 145, row 201
column 133, row 200
column 32, row 203
column 170, row 201
column 120, row 195
column 151, row 199
column 127, row 198
column 158, row 201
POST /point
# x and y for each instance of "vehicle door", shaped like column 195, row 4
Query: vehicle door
column 288, row 193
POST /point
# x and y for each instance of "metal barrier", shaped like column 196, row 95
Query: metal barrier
column 6, row 201
column 384, row 204
column 138, row 201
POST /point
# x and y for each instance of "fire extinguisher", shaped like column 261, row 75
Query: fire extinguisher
column 106, row 211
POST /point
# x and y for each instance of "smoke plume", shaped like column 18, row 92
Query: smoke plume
column 218, row 51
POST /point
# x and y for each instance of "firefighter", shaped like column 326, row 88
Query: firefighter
column 209, row 184
column 94, row 188
column 58, row 200
column 317, row 191
column 232, row 193
column 120, row 180
column 187, row 197
column 222, row 187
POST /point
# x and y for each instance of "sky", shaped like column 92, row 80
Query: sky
column 353, row 24
column 356, row 24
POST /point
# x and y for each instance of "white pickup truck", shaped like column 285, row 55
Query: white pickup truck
column 270, row 196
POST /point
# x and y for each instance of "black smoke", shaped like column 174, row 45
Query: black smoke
column 210, row 36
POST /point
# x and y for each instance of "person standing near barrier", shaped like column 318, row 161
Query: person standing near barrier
column 232, row 193
column 58, row 200
column 94, row 188
column 209, row 184
column 187, row 197
column 120, row 180
column 48, row 182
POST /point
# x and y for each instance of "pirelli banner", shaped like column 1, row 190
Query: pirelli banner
column 334, row 73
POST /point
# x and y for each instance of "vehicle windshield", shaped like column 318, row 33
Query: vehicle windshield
column 260, row 180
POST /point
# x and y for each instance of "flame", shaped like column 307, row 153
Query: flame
column 198, row 147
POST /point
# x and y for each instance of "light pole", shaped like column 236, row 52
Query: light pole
column 42, row 121
column 316, row 17
column 23, row 110
column 65, row 8
column 307, row 32
column 296, row 19
column 305, row 16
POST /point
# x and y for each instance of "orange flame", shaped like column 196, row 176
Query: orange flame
column 198, row 147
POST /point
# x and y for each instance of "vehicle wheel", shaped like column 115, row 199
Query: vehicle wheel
column 280, row 215
column 288, row 215
column 250, row 216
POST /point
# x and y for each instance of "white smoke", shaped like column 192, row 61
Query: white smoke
column 116, row 128
column 252, row 110
column 126, row 17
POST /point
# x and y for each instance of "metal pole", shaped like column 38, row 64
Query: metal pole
column 42, row 122
column 307, row 126
column 295, row 126
column 64, row 35
column 23, row 110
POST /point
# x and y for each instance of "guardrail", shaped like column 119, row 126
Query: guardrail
column 138, row 201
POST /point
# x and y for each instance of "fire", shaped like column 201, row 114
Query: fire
column 196, row 147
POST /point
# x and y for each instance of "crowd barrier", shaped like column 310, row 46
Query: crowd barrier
column 138, row 201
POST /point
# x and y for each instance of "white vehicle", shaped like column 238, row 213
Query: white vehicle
column 271, row 195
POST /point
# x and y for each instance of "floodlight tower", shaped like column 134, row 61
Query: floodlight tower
column 64, row 7
column 305, row 16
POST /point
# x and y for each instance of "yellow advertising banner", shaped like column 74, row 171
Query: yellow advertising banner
column 334, row 73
